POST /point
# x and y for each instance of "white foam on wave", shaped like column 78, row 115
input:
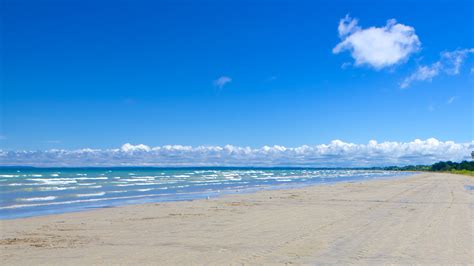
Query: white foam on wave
column 90, row 194
column 144, row 189
column 90, row 178
column 138, row 178
column 181, row 186
column 54, row 174
column 275, row 177
column 38, row 199
column 142, row 184
column 86, row 184
column 117, row 191
column 126, row 185
column 71, row 202
column 54, row 181
column 101, row 199
column 55, row 188
column 206, row 181
column 230, row 174
column 9, row 175
column 180, row 176
column 233, row 178
column 36, row 175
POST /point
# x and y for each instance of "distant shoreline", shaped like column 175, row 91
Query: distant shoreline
column 192, row 167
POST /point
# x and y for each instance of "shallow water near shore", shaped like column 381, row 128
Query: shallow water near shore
column 33, row 192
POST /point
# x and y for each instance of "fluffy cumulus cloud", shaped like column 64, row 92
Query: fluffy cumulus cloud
column 450, row 63
column 378, row 47
column 222, row 81
column 334, row 154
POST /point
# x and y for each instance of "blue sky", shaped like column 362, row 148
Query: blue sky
column 99, row 74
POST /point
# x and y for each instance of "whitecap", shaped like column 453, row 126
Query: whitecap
column 54, row 181
column 144, row 189
column 71, row 202
column 144, row 178
column 125, row 185
column 38, row 198
column 142, row 184
column 86, row 184
column 183, row 186
column 9, row 175
column 90, row 178
column 55, row 188
column 90, row 194
column 179, row 176
column 117, row 191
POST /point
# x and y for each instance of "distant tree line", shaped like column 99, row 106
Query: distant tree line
column 447, row 166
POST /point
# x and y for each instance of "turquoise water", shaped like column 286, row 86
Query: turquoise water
column 32, row 192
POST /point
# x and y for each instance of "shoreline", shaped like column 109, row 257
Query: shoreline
column 422, row 218
column 109, row 193
column 218, row 194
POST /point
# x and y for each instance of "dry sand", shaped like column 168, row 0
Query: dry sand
column 423, row 219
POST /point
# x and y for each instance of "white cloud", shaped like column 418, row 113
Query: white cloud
column 449, row 63
column 451, row 100
column 346, row 65
column 347, row 26
column 127, row 147
column 452, row 61
column 422, row 73
column 335, row 154
column 377, row 47
column 222, row 81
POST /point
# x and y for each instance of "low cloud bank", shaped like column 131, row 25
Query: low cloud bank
column 335, row 154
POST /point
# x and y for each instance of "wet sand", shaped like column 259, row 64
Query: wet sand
column 424, row 219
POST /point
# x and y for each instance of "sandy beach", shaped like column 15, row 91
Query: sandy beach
column 424, row 219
